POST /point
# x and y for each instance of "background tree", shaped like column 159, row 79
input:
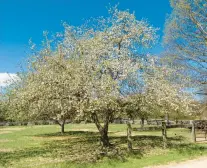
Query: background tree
column 50, row 89
column 166, row 89
column 186, row 39
column 2, row 109
column 159, row 92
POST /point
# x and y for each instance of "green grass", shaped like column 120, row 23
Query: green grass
column 45, row 147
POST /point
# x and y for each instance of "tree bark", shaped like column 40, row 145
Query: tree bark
column 142, row 123
column 176, row 121
column 104, row 137
column 63, row 127
column 167, row 119
column 103, row 130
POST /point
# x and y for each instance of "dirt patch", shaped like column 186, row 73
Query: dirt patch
column 12, row 129
column 201, row 140
column 86, row 130
column 41, row 161
column 54, row 138
column 5, row 132
column 6, row 150
column 199, row 163
column 5, row 140
column 120, row 133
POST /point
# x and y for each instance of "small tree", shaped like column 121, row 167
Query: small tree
column 162, row 91
column 50, row 90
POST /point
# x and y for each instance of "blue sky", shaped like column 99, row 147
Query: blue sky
column 21, row 20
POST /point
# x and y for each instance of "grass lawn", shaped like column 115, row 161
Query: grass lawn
column 45, row 147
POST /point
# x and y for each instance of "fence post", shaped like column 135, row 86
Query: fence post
column 129, row 134
column 164, row 134
column 193, row 133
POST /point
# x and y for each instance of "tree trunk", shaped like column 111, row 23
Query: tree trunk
column 133, row 122
column 176, row 121
column 63, row 128
column 142, row 123
column 61, row 124
column 104, row 137
column 167, row 119
column 103, row 130
column 157, row 122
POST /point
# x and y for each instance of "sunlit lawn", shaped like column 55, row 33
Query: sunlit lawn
column 79, row 147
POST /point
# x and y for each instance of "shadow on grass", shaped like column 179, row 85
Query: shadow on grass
column 85, row 147
column 7, row 157
column 70, row 133
column 147, row 140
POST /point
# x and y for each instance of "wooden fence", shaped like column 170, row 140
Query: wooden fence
column 199, row 130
